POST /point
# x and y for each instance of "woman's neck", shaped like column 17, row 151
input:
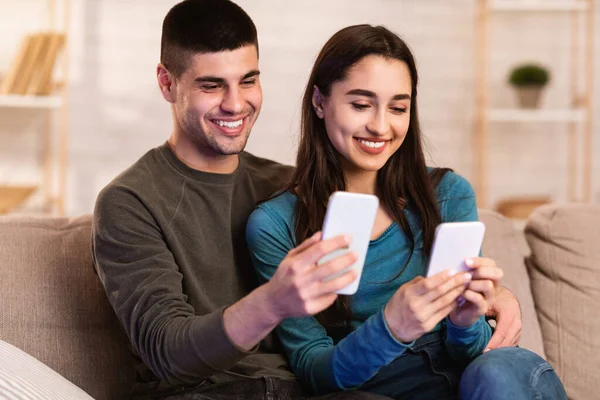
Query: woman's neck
column 361, row 181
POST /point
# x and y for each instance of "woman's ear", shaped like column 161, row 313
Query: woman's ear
column 317, row 102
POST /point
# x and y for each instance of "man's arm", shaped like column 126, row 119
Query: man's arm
column 297, row 289
column 144, row 286
column 509, row 320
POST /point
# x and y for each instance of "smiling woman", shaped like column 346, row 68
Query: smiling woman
column 360, row 133
column 367, row 113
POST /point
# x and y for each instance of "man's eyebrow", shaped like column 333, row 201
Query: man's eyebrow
column 216, row 79
column 251, row 74
column 208, row 78
column 368, row 93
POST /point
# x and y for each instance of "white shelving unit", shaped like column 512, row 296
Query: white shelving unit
column 538, row 5
column 577, row 117
column 543, row 115
column 54, row 134
column 36, row 102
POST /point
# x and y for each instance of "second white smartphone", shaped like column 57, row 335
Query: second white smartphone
column 454, row 242
column 351, row 214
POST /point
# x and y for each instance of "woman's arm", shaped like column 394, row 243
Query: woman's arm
column 464, row 344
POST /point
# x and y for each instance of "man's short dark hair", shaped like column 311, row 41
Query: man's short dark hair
column 203, row 26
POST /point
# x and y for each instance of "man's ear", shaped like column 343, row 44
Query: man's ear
column 166, row 83
column 317, row 102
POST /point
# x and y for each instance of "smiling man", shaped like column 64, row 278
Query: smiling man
column 169, row 232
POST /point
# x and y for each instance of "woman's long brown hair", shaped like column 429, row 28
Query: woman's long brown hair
column 402, row 183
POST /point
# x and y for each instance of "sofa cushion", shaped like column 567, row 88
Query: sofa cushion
column 565, row 277
column 508, row 248
column 25, row 378
column 54, row 307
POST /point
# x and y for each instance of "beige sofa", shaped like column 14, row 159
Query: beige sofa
column 53, row 307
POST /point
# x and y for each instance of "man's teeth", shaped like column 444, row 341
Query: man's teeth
column 374, row 145
column 229, row 124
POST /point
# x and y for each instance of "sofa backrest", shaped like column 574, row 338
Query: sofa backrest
column 565, row 280
column 53, row 307
column 507, row 246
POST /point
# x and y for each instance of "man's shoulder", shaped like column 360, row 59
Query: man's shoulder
column 133, row 176
column 264, row 169
column 139, row 182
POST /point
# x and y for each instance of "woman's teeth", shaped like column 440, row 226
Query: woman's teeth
column 374, row 145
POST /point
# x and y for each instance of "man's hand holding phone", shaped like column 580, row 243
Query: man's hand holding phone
column 299, row 286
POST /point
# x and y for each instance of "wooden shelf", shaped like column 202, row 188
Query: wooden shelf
column 578, row 120
column 28, row 101
column 37, row 80
column 520, row 207
column 538, row 5
column 535, row 115
column 12, row 197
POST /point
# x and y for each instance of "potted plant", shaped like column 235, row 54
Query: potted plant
column 529, row 80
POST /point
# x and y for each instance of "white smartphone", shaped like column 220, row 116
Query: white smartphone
column 453, row 243
column 351, row 214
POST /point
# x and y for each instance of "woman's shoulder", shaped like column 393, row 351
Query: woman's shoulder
column 269, row 233
column 278, row 210
column 456, row 198
column 283, row 204
column 452, row 185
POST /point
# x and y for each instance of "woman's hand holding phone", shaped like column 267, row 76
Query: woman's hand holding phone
column 420, row 304
column 479, row 295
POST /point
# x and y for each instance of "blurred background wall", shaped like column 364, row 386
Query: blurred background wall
column 116, row 112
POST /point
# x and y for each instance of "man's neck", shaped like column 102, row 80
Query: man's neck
column 190, row 155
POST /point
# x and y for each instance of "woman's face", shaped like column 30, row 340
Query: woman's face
column 367, row 114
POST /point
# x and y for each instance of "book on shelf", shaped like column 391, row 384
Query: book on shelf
column 33, row 67
column 7, row 84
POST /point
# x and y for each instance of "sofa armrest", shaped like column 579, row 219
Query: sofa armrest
column 26, row 378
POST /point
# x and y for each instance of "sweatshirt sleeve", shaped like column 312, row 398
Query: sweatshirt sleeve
column 318, row 363
column 144, row 286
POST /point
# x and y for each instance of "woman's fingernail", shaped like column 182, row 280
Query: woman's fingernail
column 469, row 262
column 468, row 276
column 486, row 350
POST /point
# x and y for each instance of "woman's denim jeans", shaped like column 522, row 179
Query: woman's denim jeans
column 427, row 372
column 510, row 373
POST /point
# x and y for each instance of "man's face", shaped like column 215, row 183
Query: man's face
column 217, row 100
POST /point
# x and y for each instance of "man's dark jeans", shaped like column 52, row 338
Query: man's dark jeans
column 265, row 388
